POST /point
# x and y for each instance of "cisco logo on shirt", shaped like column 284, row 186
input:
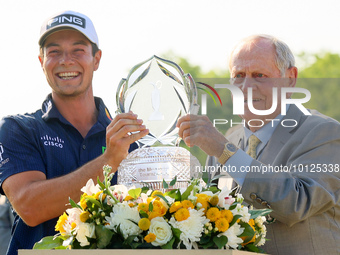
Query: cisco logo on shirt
column 52, row 141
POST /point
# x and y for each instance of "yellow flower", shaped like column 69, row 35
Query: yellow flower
column 213, row 214
column 222, row 224
column 83, row 201
column 227, row 214
column 159, row 207
column 150, row 238
column 60, row 224
column 182, row 214
column 203, row 199
column 73, row 225
column 187, row 204
column 128, row 198
column 156, row 192
column 144, row 224
column 84, row 216
column 153, row 214
column 143, row 207
column 175, row 206
column 213, row 200
column 96, row 196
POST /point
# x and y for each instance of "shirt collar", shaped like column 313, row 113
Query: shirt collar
column 50, row 111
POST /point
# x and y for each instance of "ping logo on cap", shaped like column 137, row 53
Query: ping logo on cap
column 66, row 19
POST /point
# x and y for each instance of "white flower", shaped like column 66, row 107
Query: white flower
column 243, row 211
column 162, row 230
column 85, row 230
column 232, row 233
column 192, row 228
column 90, row 188
column 73, row 217
column 239, row 198
column 224, row 198
column 260, row 220
column 126, row 217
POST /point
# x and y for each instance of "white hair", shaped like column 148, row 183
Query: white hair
column 284, row 57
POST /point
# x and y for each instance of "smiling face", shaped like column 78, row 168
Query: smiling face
column 253, row 64
column 68, row 63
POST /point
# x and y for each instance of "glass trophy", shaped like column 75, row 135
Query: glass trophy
column 159, row 92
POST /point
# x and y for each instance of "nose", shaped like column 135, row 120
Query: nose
column 66, row 59
column 248, row 83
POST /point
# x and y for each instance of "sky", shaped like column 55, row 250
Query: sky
column 132, row 31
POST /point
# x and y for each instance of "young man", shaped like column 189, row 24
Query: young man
column 305, row 199
column 49, row 155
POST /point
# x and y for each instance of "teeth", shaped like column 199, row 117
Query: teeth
column 68, row 75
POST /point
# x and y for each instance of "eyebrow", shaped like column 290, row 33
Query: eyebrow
column 80, row 42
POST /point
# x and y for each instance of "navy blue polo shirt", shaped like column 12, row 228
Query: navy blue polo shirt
column 47, row 142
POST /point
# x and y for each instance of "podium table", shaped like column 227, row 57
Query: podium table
column 134, row 252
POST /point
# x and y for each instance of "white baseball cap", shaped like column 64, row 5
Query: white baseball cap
column 69, row 19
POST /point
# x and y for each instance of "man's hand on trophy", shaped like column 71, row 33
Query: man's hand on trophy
column 124, row 130
column 198, row 130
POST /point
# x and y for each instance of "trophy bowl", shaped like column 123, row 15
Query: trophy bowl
column 159, row 92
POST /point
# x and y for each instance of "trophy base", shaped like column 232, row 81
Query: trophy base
column 150, row 166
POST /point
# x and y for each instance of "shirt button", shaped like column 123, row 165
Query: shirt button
column 84, row 147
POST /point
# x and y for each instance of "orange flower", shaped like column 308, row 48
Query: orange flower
column 203, row 199
column 150, row 238
column 175, row 206
column 222, row 224
column 187, row 204
column 143, row 207
column 213, row 214
column 182, row 214
column 227, row 214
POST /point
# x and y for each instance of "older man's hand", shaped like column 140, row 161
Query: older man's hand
column 199, row 131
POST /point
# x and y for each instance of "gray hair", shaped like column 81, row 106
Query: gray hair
column 284, row 56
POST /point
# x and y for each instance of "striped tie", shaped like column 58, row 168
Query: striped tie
column 253, row 142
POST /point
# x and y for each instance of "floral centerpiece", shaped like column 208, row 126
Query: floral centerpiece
column 117, row 217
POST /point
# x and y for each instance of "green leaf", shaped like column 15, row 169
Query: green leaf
column 74, row 204
column 236, row 217
column 103, row 235
column 178, row 196
column 177, row 233
column 171, row 193
column 248, row 231
column 165, row 185
column 143, row 214
column 49, row 242
column 162, row 197
column 100, row 183
column 173, row 182
column 169, row 244
column 186, row 193
column 259, row 212
column 220, row 241
column 135, row 193
column 150, row 207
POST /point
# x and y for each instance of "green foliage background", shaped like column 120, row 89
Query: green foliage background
column 319, row 73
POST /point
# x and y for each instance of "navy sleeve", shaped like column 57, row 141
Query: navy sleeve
column 18, row 149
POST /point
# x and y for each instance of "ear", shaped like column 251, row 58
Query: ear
column 41, row 60
column 97, row 58
column 292, row 74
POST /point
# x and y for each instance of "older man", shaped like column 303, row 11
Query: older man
column 305, row 199
column 49, row 155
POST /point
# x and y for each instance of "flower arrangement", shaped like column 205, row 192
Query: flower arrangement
column 115, row 217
